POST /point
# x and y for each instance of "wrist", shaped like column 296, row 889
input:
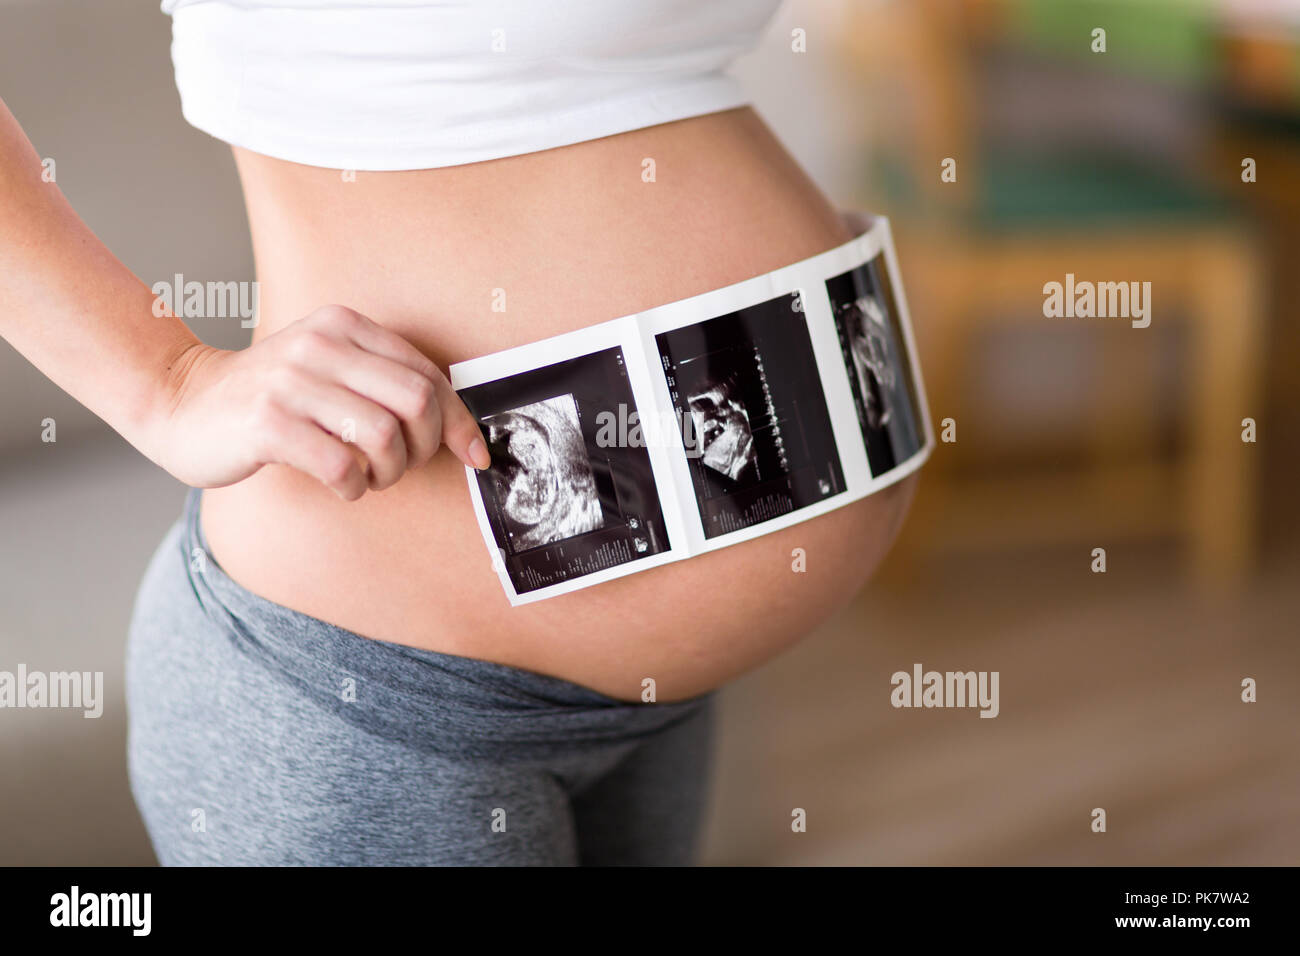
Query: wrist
column 154, row 417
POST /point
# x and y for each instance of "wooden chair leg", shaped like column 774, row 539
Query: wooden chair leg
column 940, row 318
column 1225, row 389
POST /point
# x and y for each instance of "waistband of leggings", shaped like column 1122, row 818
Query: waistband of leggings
column 424, row 698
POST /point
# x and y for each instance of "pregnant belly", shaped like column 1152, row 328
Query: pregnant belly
column 468, row 260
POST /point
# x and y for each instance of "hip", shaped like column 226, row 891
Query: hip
column 259, row 735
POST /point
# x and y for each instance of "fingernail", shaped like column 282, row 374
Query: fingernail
column 478, row 454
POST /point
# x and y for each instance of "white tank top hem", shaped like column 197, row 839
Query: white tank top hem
column 408, row 85
column 475, row 144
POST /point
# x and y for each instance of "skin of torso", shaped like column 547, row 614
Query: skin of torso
column 574, row 236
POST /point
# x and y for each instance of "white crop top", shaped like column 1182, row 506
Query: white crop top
column 414, row 84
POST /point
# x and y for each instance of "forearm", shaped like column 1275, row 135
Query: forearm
column 76, row 312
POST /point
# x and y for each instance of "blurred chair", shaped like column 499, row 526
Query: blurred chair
column 979, row 250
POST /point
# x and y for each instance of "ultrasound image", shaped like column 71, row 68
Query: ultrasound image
column 875, row 357
column 544, row 480
column 748, row 384
column 561, row 503
column 726, row 441
column 868, row 338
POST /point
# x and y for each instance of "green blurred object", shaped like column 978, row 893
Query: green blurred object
column 1170, row 45
column 1170, row 39
column 1044, row 190
column 1040, row 189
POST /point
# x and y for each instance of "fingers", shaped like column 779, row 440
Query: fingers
column 298, row 443
column 460, row 432
column 355, row 419
column 458, row 429
column 340, row 383
column 373, row 337
column 408, row 395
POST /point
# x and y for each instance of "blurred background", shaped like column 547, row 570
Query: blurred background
column 1119, row 690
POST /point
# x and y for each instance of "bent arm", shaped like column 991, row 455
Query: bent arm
column 75, row 311
column 208, row 416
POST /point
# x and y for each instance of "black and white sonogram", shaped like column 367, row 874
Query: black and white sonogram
column 721, row 426
column 562, row 500
column 544, row 481
column 876, row 359
column 755, row 427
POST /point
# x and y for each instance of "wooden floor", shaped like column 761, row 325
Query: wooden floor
column 1117, row 690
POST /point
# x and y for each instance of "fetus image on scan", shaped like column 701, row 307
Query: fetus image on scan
column 869, row 343
column 542, row 476
column 722, row 430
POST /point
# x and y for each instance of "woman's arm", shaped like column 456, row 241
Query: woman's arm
column 208, row 416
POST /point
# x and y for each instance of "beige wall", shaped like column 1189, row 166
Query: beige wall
column 91, row 84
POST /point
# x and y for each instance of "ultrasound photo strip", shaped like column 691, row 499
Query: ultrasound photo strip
column 698, row 424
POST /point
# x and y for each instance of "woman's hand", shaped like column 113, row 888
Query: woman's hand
column 310, row 396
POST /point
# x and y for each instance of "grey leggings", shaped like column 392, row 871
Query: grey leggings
column 259, row 735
